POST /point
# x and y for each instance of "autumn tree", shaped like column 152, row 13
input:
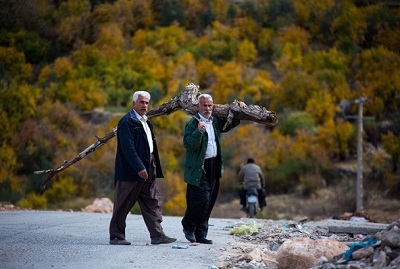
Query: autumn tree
column 377, row 74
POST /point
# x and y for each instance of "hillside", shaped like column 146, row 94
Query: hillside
column 310, row 62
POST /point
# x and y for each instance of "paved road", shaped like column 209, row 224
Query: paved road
column 55, row 239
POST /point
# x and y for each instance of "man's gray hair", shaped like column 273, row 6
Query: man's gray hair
column 204, row 96
column 141, row 93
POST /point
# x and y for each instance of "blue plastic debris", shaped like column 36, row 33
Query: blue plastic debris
column 180, row 246
column 370, row 242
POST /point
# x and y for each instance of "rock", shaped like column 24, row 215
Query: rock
column 268, row 259
column 390, row 238
column 100, row 205
column 301, row 253
column 362, row 253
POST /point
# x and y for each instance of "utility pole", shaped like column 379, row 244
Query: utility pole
column 360, row 118
column 359, row 182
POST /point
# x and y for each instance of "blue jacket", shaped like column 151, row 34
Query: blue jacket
column 195, row 143
column 133, row 153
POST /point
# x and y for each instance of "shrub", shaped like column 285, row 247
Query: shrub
column 33, row 201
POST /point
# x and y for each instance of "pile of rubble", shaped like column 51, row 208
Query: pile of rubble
column 381, row 250
column 330, row 244
column 9, row 207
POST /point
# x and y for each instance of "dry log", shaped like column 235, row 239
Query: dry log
column 187, row 101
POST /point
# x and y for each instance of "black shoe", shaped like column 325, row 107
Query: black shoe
column 204, row 241
column 189, row 236
column 162, row 240
column 117, row 241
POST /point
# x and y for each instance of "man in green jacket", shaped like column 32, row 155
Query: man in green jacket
column 203, row 168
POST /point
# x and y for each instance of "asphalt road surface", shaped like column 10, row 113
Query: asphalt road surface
column 56, row 239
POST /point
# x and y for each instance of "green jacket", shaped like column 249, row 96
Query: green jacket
column 195, row 143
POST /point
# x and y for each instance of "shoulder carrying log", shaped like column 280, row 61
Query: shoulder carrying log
column 187, row 102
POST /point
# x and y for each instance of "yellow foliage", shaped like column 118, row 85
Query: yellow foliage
column 295, row 35
column 205, row 72
column 185, row 68
column 322, row 107
column 176, row 193
column 247, row 52
column 229, row 80
column 140, row 63
column 312, row 13
column 63, row 67
column 13, row 65
column 220, row 31
column 377, row 78
column 220, row 8
column 263, row 88
column 299, row 87
column 391, row 143
column 61, row 190
column 139, row 40
column 333, row 60
column 291, row 58
column 248, row 28
column 350, row 25
column 110, row 40
column 265, row 38
column 33, row 201
column 85, row 93
column 327, row 136
column 303, row 145
column 344, row 132
column 8, row 162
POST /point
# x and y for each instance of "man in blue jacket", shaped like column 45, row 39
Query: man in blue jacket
column 203, row 168
column 137, row 165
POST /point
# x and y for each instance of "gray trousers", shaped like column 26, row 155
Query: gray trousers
column 147, row 194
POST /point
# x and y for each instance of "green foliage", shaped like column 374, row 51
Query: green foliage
column 349, row 26
column 172, row 11
column 391, row 143
column 61, row 190
column 33, row 201
column 317, row 16
column 330, row 174
column 13, row 67
column 296, row 121
column 285, row 177
column 36, row 49
column 310, row 183
column 332, row 60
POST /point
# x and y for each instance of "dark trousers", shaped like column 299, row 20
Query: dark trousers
column 147, row 194
column 200, row 201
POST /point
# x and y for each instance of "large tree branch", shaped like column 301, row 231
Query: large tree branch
column 187, row 101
